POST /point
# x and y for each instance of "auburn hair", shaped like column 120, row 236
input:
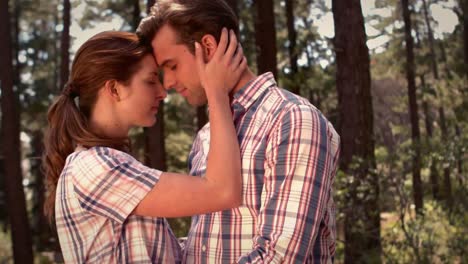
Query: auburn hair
column 106, row 56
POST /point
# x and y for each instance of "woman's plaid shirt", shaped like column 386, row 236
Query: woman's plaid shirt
column 96, row 193
column 289, row 160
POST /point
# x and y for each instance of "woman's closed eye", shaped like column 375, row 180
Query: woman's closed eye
column 152, row 82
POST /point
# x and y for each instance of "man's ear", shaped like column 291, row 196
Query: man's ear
column 209, row 46
column 112, row 89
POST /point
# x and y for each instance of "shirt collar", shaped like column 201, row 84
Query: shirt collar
column 247, row 95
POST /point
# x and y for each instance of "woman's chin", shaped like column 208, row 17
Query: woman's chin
column 147, row 123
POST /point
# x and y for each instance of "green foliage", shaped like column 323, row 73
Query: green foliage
column 179, row 144
column 434, row 238
column 5, row 248
column 439, row 236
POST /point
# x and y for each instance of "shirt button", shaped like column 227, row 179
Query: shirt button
column 203, row 248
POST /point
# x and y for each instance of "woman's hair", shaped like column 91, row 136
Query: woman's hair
column 191, row 19
column 106, row 56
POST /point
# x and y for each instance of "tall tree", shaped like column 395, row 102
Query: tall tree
column 362, row 231
column 464, row 15
column 265, row 37
column 443, row 125
column 155, row 148
column 464, row 7
column 149, row 4
column 413, row 109
column 65, row 45
column 428, row 120
column 135, row 14
column 16, row 48
column 292, row 42
column 430, row 36
column 433, row 175
column 447, row 181
column 234, row 6
column 20, row 229
column 202, row 117
column 41, row 227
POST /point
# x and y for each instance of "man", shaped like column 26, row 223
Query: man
column 289, row 150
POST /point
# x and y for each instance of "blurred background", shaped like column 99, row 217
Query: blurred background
column 390, row 75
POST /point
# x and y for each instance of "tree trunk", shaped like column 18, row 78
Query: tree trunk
column 149, row 4
column 3, row 208
column 292, row 44
column 265, row 37
column 20, row 229
column 65, row 45
column 446, row 165
column 18, row 65
column 432, row 54
column 362, row 231
column 443, row 126
column 136, row 14
column 234, row 6
column 464, row 4
column 40, row 223
column 56, row 57
column 459, row 157
column 443, row 56
column 155, row 149
column 434, row 174
column 413, row 109
column 202, row 117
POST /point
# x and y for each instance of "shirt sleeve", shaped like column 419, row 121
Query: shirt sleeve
column 300, row 163
column 111, row 183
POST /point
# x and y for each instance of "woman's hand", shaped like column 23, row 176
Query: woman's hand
column 222, row 72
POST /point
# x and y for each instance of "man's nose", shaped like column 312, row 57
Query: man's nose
column 168, row 81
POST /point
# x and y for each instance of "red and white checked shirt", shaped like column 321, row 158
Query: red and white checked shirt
column 289, row 160
column 96, row 193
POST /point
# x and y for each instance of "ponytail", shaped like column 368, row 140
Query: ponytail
column 68, row 128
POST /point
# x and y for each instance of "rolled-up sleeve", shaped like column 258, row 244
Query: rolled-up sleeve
column 112, row 183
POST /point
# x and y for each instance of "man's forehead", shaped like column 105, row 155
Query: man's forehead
column 163, row 46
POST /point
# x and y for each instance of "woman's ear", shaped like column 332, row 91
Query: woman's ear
column 112, row 89
column 209, row 46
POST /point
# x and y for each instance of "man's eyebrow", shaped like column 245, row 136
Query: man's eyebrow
column 165, row 62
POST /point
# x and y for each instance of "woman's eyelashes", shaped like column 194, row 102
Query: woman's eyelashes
column 152, row 81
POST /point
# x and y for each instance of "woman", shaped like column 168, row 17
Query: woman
column 106, row 203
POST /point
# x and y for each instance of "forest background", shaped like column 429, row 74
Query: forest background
column 390, row 75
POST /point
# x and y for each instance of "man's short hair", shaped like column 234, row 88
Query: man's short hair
column 191, row 19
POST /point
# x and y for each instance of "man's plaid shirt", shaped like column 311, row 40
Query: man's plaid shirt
column 289, row 160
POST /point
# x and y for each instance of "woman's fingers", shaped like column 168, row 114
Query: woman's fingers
column 242, row 66
column 232, row 46
column 236, row 60
column 199, row 57
column 222, row 44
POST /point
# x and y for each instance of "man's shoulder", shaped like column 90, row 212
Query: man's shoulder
column 286, row 102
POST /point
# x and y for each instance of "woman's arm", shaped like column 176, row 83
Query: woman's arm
column 178, row 195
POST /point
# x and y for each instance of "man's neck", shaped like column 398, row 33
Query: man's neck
column 246, row 77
